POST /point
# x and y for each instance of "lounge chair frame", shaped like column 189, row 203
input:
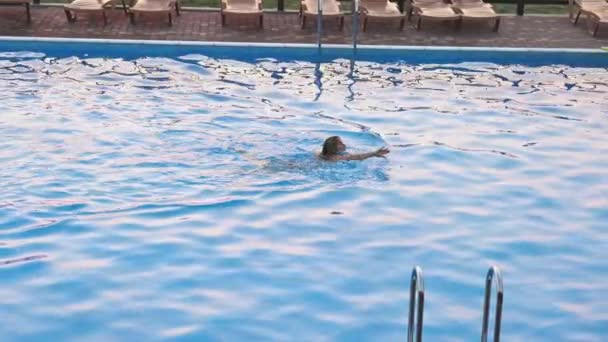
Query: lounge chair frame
column 578, row 7
column 225, row 10
column 25, row 3
column 71, row 12
column 304, row 14
column 173, row 4
column 366, row 15
column 461, row 8
column 595, row 11
column 594, row 21
column 415, row 9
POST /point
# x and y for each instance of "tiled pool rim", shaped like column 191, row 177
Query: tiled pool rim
column 293, row 45
column 252, row 52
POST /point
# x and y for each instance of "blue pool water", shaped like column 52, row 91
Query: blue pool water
column 178, row 198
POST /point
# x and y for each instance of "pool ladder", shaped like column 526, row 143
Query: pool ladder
column 416, row 305
column 319, row 22
column 416, row 311
column 355, row 26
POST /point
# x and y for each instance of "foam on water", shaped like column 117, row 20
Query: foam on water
column 162, row 198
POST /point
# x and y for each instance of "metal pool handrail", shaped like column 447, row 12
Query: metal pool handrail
column 493, row 274
column 416, row 297
column 355, row 29
column 319, row 22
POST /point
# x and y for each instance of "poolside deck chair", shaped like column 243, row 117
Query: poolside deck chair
column 432, row 10
column 596, row 18
column 154, row 6
column 90, row 6
column 331, row 9
column 476, row 10
column 242, row 8
column 380, row 9
column 25, row 3
column 578, row 7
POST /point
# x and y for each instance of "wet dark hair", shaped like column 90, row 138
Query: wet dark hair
column 330, row 146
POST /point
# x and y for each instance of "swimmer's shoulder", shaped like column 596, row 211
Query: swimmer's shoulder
column 332, row 158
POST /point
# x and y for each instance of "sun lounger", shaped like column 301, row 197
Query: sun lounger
column 578, row 7
column 596, row 17
column 596, row 12
column 243, row 8
column 476, row 10
column 432, row 10
column 154, row 6
column 25, row 3
column 380, row 9
column 331, row 8
column 89, row 6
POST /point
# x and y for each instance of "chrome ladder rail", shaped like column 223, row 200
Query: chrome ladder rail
column 493, row 274
column 416, row 297
column 355, row 27
column 319, row 22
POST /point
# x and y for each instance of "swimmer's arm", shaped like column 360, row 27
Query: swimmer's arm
column 359, row 156
column 362, row 156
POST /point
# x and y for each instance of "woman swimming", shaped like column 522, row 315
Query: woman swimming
column 334, row 150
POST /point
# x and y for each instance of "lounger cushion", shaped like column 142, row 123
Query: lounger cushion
column 87, row 5
column 429, row 3
column 438, row 12
column 470, row 3
column 478, row 12
column 380, row 9
column 242, row 6
column 600, row 15
column 152, row 6
column 590, row 3
column 330, row 7
column 594, row 6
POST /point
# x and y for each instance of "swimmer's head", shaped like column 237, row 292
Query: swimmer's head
column 333, row 146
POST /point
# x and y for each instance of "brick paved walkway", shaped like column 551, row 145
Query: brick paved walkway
column 529, row 31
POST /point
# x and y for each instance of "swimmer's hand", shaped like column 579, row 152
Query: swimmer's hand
column 382, row 152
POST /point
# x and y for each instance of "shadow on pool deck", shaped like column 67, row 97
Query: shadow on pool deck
column 528, row 31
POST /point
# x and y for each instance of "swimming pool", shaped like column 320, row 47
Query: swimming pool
column 171, row 192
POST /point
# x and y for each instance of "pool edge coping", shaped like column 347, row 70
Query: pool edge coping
column 294, row 45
